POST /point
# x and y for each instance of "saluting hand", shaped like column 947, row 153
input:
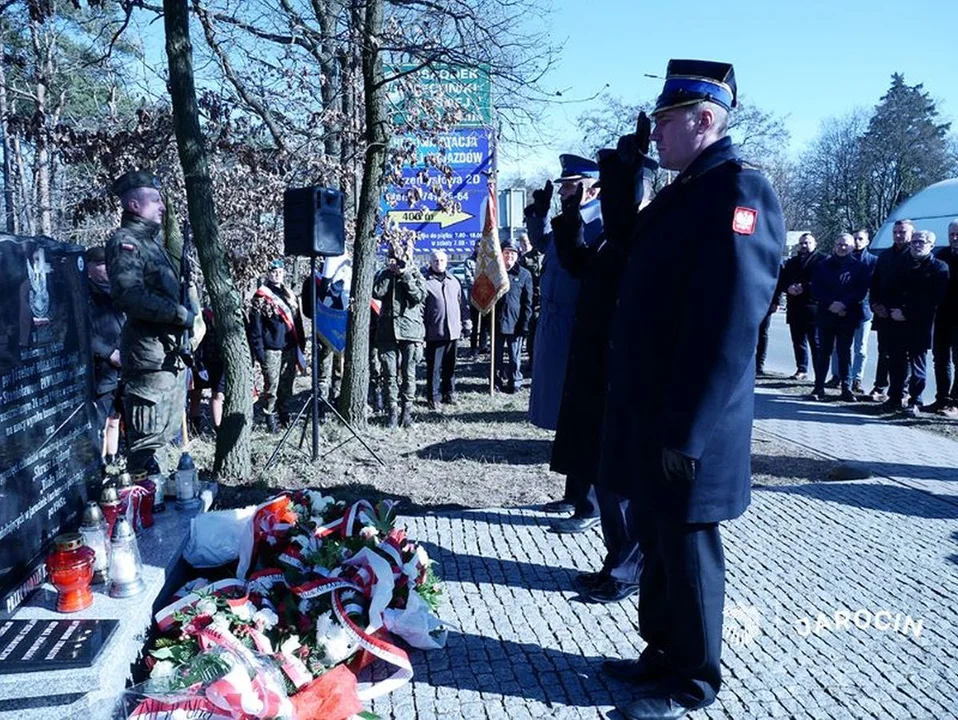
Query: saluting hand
column 795, row 289
column 897, row 315
column 541, row 201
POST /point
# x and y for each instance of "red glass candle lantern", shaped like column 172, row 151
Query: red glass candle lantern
column 70, row 567
column 146, row 490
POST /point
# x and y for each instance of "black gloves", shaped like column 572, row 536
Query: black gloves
column 541, row 201
column 625, row 175
column 676, row 467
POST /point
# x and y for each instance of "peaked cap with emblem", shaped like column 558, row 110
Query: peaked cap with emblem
column 575, row 167
column 134, row 179
column 688, row 82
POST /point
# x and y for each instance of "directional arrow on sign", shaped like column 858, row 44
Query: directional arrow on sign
column 421, row 217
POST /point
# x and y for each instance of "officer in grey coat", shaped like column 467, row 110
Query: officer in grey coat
column 145, row 285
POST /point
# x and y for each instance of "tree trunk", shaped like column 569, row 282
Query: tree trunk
column 43, row 72
column 233, row 452
column 9, row 217
column 356, row 375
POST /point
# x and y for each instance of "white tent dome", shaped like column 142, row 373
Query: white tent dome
column 931, row 209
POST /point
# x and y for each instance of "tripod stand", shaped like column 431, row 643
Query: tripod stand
column 313, row 403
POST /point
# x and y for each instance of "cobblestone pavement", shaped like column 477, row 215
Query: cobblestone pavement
column 882, row 554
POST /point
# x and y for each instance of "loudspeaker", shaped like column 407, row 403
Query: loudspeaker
column 313, row 222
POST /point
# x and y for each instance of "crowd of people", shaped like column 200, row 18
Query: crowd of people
column 907, row 294
column 639, row 316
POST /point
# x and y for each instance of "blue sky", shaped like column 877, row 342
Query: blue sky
column 804, row 60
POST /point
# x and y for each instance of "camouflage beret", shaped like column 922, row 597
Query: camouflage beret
column 134, row 179
column 96, row 255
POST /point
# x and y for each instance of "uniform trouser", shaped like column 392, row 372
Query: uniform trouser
column 279, row 372
column 153, row 402
column 859, row 352
column 582, row 494
column 881, row 371
column 904, row 358
column 440, row 369
column 531, row 337
column 623, row 558
column 509, row 368
column 761, row 347
column 480, row 328
column 398, row 365
column 330, row 365
column 840, row 338
column 681, row 598
column 945, row 354
column 804, row 338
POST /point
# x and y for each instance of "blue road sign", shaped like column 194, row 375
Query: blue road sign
column 469, row 152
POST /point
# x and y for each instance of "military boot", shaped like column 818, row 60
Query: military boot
column 393, row 421
column 271, row 425
column 376, row 399
column 405, row 419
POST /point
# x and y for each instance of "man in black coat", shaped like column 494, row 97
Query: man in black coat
column 626, row 171
column 107, row 325
column 884, row 268
column 800, row 308
column 945, row 341
column 839, row 286
column 680, row 396
column 915, row 289
column 513, row 315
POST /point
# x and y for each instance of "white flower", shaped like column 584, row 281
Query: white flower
column 290, row 645
column 163, row 668
column 318, row 502
column 243, row 612
column 369, row 533
column 206, row 606
column 265, row 619
column 338, row 644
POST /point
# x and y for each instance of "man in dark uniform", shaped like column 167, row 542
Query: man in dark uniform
column 106, row 322
column 945, row 347
column 681, row 362
column 795, row 281
column 915, row 289
column 145, row 285
column 884, row 267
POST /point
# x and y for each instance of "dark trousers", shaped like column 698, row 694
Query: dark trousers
column 623, row 558
column 509, row 366
column 804, row 339
column 761, row 348
column 884, row 348
column 440, row 369
column 581, row 493
column 479, row 337
column 681, row 599
column 829, row 336
column 906, row 360
column 945, row 354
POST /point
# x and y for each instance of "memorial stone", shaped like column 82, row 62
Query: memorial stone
column 49, row 447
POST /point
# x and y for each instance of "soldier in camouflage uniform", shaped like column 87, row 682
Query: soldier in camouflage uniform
column 145, row 284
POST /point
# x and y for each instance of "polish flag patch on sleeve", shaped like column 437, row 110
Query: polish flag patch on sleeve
column 743, row 220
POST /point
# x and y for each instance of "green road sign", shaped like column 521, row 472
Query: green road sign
column 469, row 87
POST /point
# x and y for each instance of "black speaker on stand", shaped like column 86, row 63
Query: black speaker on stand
column 314, row 226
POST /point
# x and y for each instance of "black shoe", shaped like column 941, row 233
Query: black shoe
column 434, row 406
column 834, row 383
column 574, row 525
column 559, row 507
column 611, row 591
column 857, row 388
column 892, row 405
column 847, row 396
column 817, row 395
column 271, row 424
column 405, row 417
column 375, row 400
column 583, row 582
column 661, row 707
column 450, row 399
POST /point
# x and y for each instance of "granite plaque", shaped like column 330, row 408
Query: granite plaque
column 49, row 448
column 45, row 645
